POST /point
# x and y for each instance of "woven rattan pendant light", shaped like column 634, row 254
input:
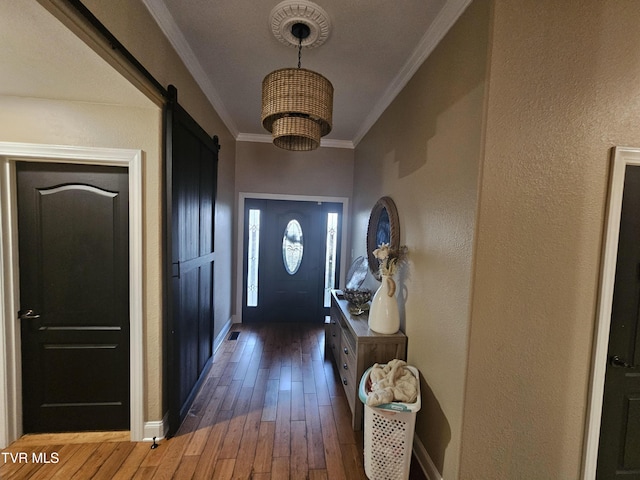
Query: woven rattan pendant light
column 297, row 103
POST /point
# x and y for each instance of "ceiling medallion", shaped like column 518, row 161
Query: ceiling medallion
column 297, row 104
column 288, row 13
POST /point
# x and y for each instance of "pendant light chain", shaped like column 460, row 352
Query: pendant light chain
column 299, row 51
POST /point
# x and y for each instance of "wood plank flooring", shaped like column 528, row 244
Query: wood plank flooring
column 271, row 408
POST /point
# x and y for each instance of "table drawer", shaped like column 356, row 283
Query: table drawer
column 347, row 362
column 332, row 337
column 347, row 359
column 354, row 347
column 349, row 383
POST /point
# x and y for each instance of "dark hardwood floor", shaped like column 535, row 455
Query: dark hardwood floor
column 271, row 408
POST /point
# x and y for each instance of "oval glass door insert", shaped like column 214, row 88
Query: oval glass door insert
column 292, row 247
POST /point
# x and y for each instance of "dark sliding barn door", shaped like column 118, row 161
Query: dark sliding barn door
column 191, row 178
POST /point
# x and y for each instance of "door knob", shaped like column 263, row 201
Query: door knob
column 616, row 361
column 28, row 315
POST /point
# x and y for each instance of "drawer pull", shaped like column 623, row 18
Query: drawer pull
column 346, row 351
column 333, row 334
column 344, row 381
column 344, row 365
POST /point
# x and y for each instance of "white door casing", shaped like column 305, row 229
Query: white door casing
column 10, row 360
column 621, row 158
column 242, row 196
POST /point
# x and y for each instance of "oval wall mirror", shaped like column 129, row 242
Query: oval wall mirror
column 384, row 227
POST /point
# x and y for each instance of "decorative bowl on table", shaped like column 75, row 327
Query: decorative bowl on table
column 358, row 300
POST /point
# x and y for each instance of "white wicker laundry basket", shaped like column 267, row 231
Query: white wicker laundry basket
column 388, row 434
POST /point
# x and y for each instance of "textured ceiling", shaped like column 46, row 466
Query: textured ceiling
column 373, row 49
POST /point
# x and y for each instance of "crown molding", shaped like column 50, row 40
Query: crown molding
column 325, row 142
column 254, row 137
column 167, row 24
column 331, row 143
column 437, row 30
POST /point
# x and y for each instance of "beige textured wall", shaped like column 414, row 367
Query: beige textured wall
column 264, row 168
column 425, row 153
column 563, row 90
column 30, row 120
column 130, row 22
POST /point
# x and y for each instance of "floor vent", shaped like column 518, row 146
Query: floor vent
column 233, row 335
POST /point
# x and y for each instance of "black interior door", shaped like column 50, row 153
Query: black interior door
column 191, row 174
column 74, row 294
column 619, row 450
column 291, row 261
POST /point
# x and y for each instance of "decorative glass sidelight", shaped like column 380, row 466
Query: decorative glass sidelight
column 292, row 247
column 330, row 257
column 253, row 256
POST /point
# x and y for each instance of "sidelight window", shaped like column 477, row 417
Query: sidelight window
column 330, row 257
column 253, row 254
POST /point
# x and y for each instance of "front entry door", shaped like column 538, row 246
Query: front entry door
column 296, row 247
column 619, row 450
column 74, row 295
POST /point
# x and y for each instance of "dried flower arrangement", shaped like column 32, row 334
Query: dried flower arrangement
column 389, row 259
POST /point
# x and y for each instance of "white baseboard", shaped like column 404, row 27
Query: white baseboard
column 222, row 335
column 426, row 464
column 157, row 429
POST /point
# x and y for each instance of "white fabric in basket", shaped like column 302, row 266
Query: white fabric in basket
column 392, row 383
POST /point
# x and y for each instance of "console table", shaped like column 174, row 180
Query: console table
column 354, row 348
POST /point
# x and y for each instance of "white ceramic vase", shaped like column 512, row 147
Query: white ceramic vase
column 384, row 315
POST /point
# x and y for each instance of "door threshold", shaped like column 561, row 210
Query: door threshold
column 41, row 439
